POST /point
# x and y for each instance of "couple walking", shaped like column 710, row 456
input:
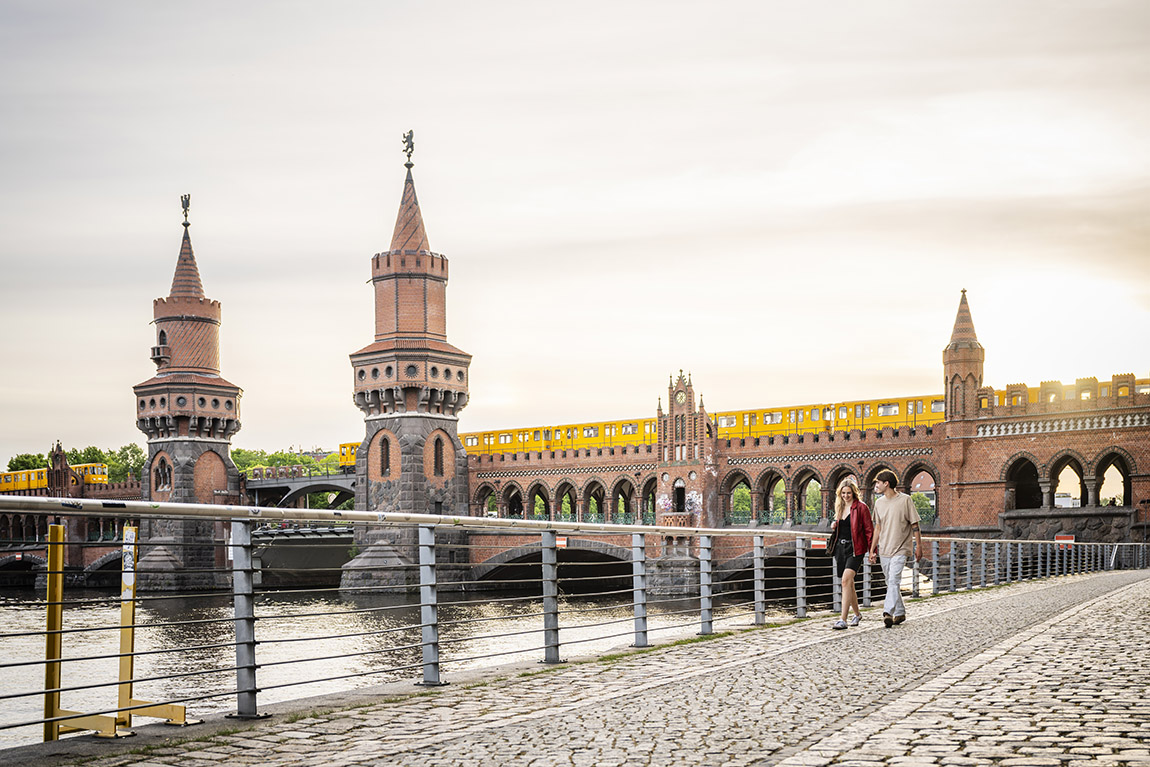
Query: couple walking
column 886, row 537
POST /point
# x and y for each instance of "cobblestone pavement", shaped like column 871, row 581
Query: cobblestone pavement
column 1040, row 673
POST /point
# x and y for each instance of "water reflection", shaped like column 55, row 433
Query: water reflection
column 357, row 639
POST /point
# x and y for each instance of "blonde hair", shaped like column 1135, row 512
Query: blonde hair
column 839, row 505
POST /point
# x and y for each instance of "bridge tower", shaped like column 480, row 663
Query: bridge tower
column 411, row 385
column 962, row 362
column 686, row 494
column 189, row 414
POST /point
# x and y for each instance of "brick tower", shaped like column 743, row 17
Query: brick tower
column 410, row 384
column 189, row 413
column 962, row 366
column 686, row 494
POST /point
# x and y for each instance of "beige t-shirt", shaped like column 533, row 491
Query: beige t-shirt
column 894, row 517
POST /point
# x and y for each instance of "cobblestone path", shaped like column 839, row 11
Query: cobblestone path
column 1040, row 673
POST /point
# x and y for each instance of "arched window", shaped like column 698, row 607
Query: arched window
column 163, row 339
column 385, row 457
column 438, row 457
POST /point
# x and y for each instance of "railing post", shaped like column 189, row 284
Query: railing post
column 982, row 564
column 836, row 585
column 760, row 582
column 866, row 600
column 914, row 571
column 935, row 586
column 1008, row 569
column 953, row 574
column 639, row 587
column 1020, row 573
column 969, row 565
column 55, row 624
column 429, row 606
column 800, row 577
column 997, row 563
column 550, row 597
column 705, row 605
column 243, row 598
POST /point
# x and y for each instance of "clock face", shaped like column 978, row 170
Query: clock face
column 681, row 397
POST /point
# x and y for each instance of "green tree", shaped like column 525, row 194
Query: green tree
column 814, row 500
column 27, row 461
column 128, row 459
column 741, row 499
column 923, row 507
column 778, row 498
column 90, row 454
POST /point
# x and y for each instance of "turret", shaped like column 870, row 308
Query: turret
column 962, row 362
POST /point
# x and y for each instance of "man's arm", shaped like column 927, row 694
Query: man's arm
column 874, row 541
column 918, row 541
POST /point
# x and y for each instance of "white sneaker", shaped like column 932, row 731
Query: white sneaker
column 855, row 620
column 839, row 625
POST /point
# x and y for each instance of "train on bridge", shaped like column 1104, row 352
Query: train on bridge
column 33, row 479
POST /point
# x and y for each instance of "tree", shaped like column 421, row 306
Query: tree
column 923, row 507
column 90, row 454
column 27, row 461
column 814, row 500
column 128, row 459
column 741, row 498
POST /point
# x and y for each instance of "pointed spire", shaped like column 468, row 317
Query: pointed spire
column 963, row 334
column 186, row 281
column 409, row 232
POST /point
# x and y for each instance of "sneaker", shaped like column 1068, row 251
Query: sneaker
column 855, row 620
column 899, row 619
column 887, row 620
column 839, row 625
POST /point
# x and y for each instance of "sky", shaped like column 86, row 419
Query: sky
column 783, row 199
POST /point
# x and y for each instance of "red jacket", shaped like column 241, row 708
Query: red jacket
column 862, row 528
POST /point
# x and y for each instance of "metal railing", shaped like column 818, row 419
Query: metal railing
column 428, row 593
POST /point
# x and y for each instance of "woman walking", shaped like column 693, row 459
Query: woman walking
column 851, row 538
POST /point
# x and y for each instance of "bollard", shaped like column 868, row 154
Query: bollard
column 54, row 639
column 428, row 607
column 550, row 597
column 760, row 583
column 639, row 582
column 705, row 605
column 800, row 577
column 243, row 599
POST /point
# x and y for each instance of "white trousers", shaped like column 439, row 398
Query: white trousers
column 892, row 568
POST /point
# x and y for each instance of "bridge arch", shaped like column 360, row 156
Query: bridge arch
column 1020, row 473
column 583, row 565
column 1054, row 469
column 808, row 511
column 650, row 492
column 511, row 497
column 732, row 480
column 480, row 499
column 538, row 491
column 773, row 511
column 566, row 500
column 22, row 561
column 1114, row 457
column 913, row 469
column 594, row 494
column 624, row 500
column 867, row 485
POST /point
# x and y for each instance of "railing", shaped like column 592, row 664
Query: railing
column 574, row 588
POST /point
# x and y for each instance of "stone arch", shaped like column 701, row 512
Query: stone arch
column 801, row 481
column 537, row 491
column 103, row 562
column 511, row 500
column 648, row 500
column 382, row 456
column 771, row 512
column 1056, row 466
column 209, row 475
column 160, row 472
column 624, row 499
column 479, row 499
column 868, row 475
column 438, row 458
column 727, row 485
column 594, row 506
column 26, row 562
column 913, row 469
column 1022, row 490
column 1121, row 460
column 566, row 491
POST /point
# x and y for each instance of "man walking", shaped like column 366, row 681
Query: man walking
column 895, row 521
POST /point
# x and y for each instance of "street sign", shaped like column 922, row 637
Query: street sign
column 1064, row 541
column 561, row 541
column 819, row 543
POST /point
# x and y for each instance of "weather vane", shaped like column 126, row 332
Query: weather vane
column 186, row 200
column 408, row 147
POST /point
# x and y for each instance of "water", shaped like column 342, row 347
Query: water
column 372, row 635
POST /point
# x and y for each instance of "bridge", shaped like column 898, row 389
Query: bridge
column 286, row 485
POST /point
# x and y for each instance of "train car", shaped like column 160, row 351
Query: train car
column 347, row 451
column 33, row 479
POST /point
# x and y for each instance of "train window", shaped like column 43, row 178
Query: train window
column 814, row 414
column 471, row 441
column 920, row 406
column 791, row 416
column 630, row 428
column 937, row 406
column 504, row 439
column 609, row 430
column 776, row 417
column 649, row 427
column 801, row 416
column 888, row 408
column 547, row 434
column 748, row 419
column 590, row 431
column 828, row 414
column 1084, row 394
column 866, row 410
column 1142, row 389
column 1104, row 391
column 728, row 421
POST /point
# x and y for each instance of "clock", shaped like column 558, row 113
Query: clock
column 681, row 397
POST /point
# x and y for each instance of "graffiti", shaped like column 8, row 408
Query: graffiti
column 664, row 504
column 694, row 501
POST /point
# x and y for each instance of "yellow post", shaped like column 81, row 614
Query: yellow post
column 52, row 634
column 127, row 625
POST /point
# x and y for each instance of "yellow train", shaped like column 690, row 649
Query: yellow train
column 31, row 479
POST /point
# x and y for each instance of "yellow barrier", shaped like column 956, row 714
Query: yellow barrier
column 104, row 726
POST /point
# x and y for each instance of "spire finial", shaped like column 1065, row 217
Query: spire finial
column 409, row 147
column 186, row 201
